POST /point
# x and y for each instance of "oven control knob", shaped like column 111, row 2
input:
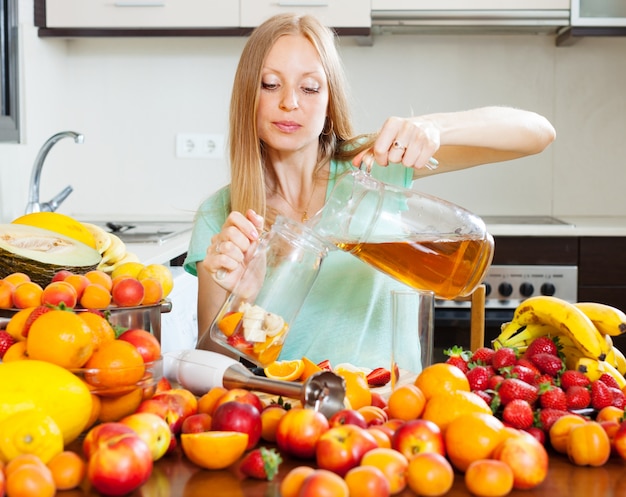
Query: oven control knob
column 487, row 289
column 505, row 289
column 548, row 289
column 526, row 289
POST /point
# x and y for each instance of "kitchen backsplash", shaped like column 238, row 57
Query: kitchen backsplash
column 131, row 96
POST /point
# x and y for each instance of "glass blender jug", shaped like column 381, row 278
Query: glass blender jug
column 423, row 241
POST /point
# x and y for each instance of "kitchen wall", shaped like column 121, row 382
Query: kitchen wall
column 130, row 96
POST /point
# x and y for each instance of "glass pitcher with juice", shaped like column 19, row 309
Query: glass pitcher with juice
column 423, row 241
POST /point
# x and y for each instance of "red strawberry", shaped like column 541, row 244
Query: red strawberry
column 514, row 388
column 261, row 463
column 527, row 363
column 378, row 377
column 572, row 377
column 619, row 399
column 503, row 358
column 486, row 396
column 483, row 355
column 519, row 414
column 524, row 373
column 494, row 382
column 601, row 396
column 538, row 433
column 6, row 341
column 547, row 417
column 36, row 312
column 457, row 356
column 325, row 364
column 609, row 380
column 548, row 363
column 541, row 345
column 239, row 342
column 478, row 377
column 577, row 397
column 552, row 397
column 544, row 378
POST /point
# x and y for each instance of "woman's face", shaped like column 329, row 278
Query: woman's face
column 294, row 95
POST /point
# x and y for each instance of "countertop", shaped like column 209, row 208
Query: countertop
column 572, row 226
column 161, row 253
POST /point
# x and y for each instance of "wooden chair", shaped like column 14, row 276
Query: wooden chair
column 477, row 317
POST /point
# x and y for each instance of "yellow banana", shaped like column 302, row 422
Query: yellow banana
column 566, row 318
column 620, row 360
column 571, row 356
column 608, row 319
column 528, row 333
column 594, row 369
column 507, row 330
column 610, row 355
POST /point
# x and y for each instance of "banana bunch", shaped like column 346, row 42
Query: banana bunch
column 584, row 331
column 111, row 248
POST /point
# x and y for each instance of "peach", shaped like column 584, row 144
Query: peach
column 58, row 292
column 27, row 294
column 79, row 282
column 127, row 292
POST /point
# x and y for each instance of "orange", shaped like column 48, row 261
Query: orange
column 115, row 408
column 285, row 370
column 16, row 325
column 214, row 449
column 559, row 431
column 228, row 324
column 472, row 436
column 442, row 408
column 440, row 377
column 16, row 352
column 392, row 463
column 27, row 294
column 60, row 337
column 208, row 401
column 310, row 368
column 16, row 278
column 292, row 482
column 30, row 480
column 100, row 277
column 152, row 291
column 6, row 294
column 116, row 363
column 489, row 478
column 68, row 470
column 406, row 402
column 430, row 474
column 101, row 329
column 358, row 393
column 269, row 422
column 367, row 480
column 95, row 296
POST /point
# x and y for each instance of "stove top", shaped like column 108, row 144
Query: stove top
column 145, row 231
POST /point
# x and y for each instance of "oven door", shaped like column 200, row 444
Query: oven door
column 452, row 327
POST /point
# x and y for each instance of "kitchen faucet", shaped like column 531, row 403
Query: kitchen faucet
column 33, row 193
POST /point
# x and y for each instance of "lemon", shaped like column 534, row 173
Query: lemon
column 161, row 273
column 30, row 432
column 131, row 268
column 53, row 389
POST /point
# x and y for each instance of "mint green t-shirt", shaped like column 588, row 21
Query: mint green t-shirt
column 347, row 316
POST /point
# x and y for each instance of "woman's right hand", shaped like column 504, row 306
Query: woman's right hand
column 227, row 255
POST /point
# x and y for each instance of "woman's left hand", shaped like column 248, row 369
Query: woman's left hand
column 409, row 142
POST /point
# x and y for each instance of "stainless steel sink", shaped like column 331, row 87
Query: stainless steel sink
column 145, row 231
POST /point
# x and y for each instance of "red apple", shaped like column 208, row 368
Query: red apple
column 527, row 458
column 241, row 395
column 341, row 448
column 416, row 436
column 120, row 466
column 152, row 429
column 299, row 430
column 100, row 434
column 241, row 417
column 347, row 417
column 145, row 342
column 168, row 408
column 197, row 423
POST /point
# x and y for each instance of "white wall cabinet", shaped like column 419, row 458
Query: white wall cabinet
column 141, row 13
column 338, row 13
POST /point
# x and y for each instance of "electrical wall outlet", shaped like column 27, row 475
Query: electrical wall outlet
column 199, row 146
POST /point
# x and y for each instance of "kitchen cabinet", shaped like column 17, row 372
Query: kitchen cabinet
column 338, row 13
column 602, row 270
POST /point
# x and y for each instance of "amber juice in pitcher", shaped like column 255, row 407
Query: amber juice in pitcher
column 448, row 267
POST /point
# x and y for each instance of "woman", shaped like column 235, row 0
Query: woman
column 290, row 137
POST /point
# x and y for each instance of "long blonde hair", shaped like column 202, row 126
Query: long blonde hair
column 247, row 157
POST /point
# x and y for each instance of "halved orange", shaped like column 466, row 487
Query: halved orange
column 228, row 324
column 309, row 368
column 214, row 449
column 285, row 370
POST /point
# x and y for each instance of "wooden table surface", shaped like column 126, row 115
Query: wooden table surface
column 175, row 476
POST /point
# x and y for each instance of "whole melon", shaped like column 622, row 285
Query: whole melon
column 40, row 253
column 32, row 384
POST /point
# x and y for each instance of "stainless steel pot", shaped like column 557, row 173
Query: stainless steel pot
column 145, row 317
